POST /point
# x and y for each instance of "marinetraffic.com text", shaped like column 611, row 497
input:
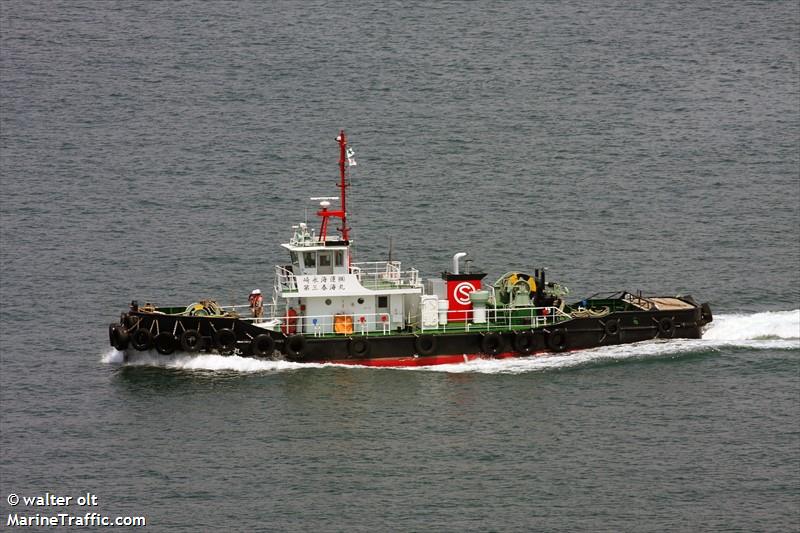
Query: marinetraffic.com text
column 55, row 510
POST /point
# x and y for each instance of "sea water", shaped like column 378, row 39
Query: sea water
column 161, row 152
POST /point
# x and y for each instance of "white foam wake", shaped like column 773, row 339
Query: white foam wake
column 211, row 362
column 759, row 331
column 767, row 330
column 774, row 325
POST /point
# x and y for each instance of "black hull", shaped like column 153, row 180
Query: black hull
column 140, row 330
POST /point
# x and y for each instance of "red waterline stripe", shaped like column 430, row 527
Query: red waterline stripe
column 426, row 360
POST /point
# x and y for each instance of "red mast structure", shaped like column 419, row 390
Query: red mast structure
column 342, row 211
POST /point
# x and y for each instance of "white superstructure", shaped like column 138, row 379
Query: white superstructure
column 331, row 294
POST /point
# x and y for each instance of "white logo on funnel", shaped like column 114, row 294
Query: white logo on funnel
column 461, row 292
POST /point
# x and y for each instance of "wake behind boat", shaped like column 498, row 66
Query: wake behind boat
column 327, row 308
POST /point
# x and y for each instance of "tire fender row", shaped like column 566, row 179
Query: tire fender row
column 186, row 338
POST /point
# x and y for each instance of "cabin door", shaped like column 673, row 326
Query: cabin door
column 382, row 309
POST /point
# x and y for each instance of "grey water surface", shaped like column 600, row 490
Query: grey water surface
column 161, row 151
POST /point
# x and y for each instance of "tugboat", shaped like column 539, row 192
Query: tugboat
column 326, row 308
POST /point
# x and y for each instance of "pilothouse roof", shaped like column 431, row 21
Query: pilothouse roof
column 305, row 240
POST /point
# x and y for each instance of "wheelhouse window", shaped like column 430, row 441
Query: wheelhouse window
column 310, row 259
column 325, row 263
column 339, row 259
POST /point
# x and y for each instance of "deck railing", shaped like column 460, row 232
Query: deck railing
column 372, row 275
column 639, row 301
column 502, row 318
column 383, row 323
column 384, row 274
column 284, row 279
column 344, row 324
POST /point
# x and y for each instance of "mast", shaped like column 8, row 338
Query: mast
column 343, row 182
column 342, row 211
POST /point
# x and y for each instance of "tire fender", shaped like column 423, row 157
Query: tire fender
column 262, row 345
column 359, row 347
column 557, row 340
column 142, row 339
column 491, row 343
column 666, row 327
column 295, row 346
column 425, row 344
column 165, row 343
column 225, row 340
column 191, row 340
column 612, row 327
column 524, row 342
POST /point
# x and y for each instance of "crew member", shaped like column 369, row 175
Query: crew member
column 256, row 303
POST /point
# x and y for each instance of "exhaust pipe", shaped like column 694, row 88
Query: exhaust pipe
column 456, row 257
